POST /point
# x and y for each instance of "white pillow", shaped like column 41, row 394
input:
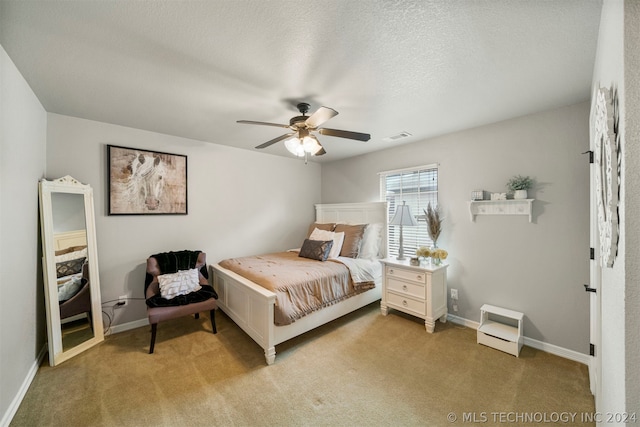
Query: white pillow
column 180, row 283
column 371, row 240
column 338, row 240
column 324, row 235
column 68, row 286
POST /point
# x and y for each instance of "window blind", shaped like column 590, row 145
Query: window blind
column 417, row 187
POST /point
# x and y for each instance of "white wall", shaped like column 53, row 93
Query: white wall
column 23, row 124
column 608, row 71
column 240, row 202
column 617, row 63
column 632, row 203
column 537, row 268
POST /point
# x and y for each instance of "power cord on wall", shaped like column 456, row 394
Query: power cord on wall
column 109, row 311
column 120, row 300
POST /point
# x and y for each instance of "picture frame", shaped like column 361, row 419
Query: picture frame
column 146, row 182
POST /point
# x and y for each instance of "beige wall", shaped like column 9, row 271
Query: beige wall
column 240, row 202
column 537, row 268
column 23, row 124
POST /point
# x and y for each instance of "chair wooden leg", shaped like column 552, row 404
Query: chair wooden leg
column 154, row 328
column 213, row 321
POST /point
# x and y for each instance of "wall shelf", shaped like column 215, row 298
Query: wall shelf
column 501, row 207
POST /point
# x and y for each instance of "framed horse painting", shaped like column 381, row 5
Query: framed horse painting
column 143, row 182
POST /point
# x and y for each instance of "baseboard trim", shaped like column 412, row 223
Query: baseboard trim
column 17, row 400
column 558, row 351
column 462, row 321
column 127, row 326
column 538, row 345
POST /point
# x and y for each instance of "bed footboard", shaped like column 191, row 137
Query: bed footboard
column 249, row 305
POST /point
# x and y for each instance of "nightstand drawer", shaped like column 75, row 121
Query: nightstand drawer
column 413, row 276
column 406, row 304
column 406, row 288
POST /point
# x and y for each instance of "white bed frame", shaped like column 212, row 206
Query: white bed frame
column 67, row 239
column 251, row 306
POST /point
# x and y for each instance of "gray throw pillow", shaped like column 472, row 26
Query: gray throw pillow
column 67, row 268
column 316, row 249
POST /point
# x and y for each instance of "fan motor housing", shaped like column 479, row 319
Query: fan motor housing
column 298, row 121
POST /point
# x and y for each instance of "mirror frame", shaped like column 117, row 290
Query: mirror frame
column 67, row 184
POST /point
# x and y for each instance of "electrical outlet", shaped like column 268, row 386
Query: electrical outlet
column 122, row 301
column 454, row 294
column 455, row 307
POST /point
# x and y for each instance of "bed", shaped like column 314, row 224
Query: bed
column 253, row 307
column 72, row 274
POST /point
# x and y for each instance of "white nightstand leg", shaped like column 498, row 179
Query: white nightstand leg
column 443, row 318
column 270, row 355
column 430, row 325
column 383, row 309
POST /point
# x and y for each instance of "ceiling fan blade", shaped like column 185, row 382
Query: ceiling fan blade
column 345, row 134
column 321, row 115
column 320, row 152
column 251, row 122
column 274, row 140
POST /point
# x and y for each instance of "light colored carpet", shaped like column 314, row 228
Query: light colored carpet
column 364, row 369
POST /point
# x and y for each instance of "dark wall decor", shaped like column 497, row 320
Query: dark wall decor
column 143, row 182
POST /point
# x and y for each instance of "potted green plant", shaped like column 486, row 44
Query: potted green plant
column 518, row 185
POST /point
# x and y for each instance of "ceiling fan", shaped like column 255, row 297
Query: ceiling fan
column 301, row 141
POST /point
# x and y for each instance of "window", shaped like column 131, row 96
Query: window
column 417, row 187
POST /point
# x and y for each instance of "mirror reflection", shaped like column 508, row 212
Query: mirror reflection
column 72, row 269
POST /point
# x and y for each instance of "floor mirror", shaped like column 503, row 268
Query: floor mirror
column 70, row 268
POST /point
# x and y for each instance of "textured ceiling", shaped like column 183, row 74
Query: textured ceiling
column 192, row 68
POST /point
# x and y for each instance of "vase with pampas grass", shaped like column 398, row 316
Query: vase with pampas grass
column 434, row 223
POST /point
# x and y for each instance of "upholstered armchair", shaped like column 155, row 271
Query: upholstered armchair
column 174, row 289
column 80, row 302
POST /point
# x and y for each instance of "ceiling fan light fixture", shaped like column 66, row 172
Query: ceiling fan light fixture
column 301, row 146
column 311, row 144
column 295, row 146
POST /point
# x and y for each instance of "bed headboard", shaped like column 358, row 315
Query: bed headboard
column 68, row 239
column 356, row 213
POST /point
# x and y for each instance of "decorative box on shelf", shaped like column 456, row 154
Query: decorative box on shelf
column 477, row 195
column 501, row 207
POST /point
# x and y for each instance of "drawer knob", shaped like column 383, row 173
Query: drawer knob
column 391, row 271
column 404, row 303
column 419, row 277
column 404, row 287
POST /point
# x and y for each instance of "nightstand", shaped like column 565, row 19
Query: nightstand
column 420, row 291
